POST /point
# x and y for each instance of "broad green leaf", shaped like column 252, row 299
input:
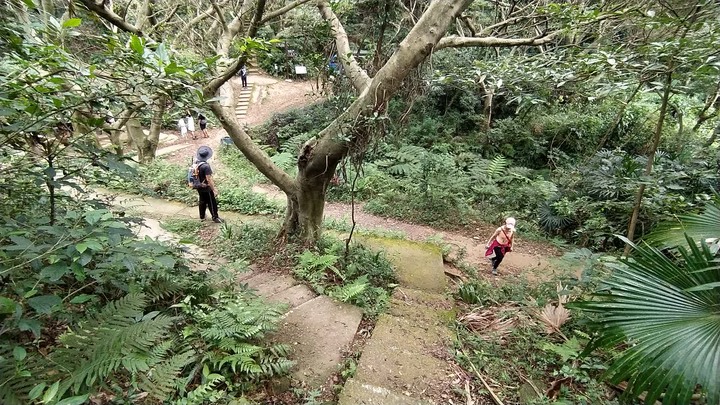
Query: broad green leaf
column 71, row 23
column 19, row 353
column 51, row 392
column 30, row 325
column 78, row 400
column 44, row 304
column 29, row 3
column 136, row 45
column 166, row 261
column 36, row 391
column 54, row 272
column 82, row 298
column 7, row 306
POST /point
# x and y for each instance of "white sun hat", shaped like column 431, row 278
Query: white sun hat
column 510, row 223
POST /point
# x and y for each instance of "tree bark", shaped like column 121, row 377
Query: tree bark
column 146, row 145
column 650, row 160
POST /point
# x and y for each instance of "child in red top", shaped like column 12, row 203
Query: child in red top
column 500, row 243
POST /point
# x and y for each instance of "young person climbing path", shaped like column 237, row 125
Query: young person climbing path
column 500, row 243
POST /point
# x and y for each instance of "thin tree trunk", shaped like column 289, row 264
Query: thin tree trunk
column 650, row 160
column 714, row 136
column 709, row 102
column 618, row 117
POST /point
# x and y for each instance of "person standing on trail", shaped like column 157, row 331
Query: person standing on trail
column 207, row 194
column 203, row 125
column 183, row 127
column 243, row 75
column 500, row 243
column 191, row 125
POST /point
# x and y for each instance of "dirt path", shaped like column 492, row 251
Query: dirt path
column 530, row 258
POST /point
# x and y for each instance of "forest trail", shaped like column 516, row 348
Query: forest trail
column 405, row 359
column 402, row 360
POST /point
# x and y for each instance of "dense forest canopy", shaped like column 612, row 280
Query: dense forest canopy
column 587, row 119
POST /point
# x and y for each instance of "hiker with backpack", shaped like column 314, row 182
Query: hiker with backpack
column 500, row 243
column 200, row 178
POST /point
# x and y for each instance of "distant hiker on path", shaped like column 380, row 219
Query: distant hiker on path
column 201, row 179
column 191, row 125
column 500, row 243
column 243, row 75
column 183, row 127
column 203, row 125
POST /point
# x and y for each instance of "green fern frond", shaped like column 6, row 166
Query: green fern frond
column 118, row 338
column 285, row 160
column 205, row 393
column 13, row 387
column 348, row 292
column 497, row 166
column 160, row 381
column 277, row 367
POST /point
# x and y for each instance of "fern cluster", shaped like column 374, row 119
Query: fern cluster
column 361, row 277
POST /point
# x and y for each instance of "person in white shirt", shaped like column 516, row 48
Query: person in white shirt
column 190, row 125
column 183, row 127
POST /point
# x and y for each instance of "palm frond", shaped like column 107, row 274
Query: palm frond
column 700, row 227
column 653, row 304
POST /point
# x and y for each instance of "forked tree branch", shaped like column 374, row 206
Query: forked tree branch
column 496, row 42
column 357, row 75
column 109, row 16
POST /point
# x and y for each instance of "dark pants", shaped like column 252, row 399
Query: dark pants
column 499, row 255
column 244, row 80
column 207, row 200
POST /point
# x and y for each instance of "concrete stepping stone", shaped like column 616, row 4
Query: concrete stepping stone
column 357, row 393
column 397, row 356
column 318, row 332
column 417, row 265
column 278, row 283
column 293, row 296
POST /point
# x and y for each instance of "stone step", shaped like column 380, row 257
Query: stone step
column 417, row 265
column 398, row 355
column 318, row 331
column 357, row 393
column 294, row 296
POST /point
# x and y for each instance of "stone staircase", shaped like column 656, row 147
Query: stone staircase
column 244, row 98
column 243, row 101
column 317, row 328
column 402, row 358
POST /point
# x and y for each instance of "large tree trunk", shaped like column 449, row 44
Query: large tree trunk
column 146, row 145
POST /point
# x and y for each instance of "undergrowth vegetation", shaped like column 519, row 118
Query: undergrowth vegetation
column 89, row 311
column 497, row 322
column 541, row 166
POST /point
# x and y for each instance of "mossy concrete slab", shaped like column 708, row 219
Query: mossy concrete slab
column 318, row 332
column 293, row 296
column 426, row 310
column 417, row 265
column 398, row 356
column 358, row 393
